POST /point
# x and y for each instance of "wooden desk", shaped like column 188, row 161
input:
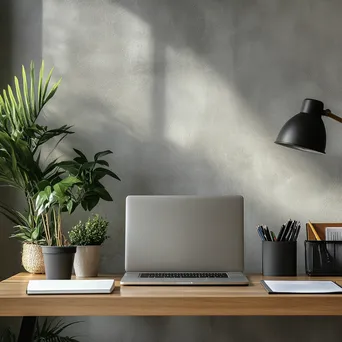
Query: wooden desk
column 250, row 300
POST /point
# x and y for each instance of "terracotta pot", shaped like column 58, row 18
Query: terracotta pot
column 32, row 258
column 87, row 261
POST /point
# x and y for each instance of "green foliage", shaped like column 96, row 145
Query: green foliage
column 82, row 186
column 27, row 228
column 89, row 173
column 51, row 329
column 20, row 135
column 19, row 113
column 50, row 203
column 21, row 140
column 93, row 232
column 48, row 331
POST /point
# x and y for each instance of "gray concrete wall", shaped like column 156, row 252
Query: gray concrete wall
column 190, row 96
column 20, row 42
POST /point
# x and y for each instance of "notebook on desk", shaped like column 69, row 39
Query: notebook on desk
column 74, row 286
column 301, row 287
column 184, row 240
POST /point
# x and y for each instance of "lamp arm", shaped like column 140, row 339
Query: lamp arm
column 328, row 113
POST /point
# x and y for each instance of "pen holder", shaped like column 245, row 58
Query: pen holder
column 279, row 258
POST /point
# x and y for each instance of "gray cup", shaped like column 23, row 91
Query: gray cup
column 58, row 261
column 279, row 258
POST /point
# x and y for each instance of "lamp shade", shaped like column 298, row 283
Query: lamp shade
column 305, row 131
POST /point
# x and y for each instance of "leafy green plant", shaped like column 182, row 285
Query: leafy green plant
column 27, row 228
column 93, row 232
column 50, row 203
column 21, row 139
column 21, row 167
column 82, row 186
column 90, row 174
column 49, row 331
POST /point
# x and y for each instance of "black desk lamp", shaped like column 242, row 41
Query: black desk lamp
column 306, row 131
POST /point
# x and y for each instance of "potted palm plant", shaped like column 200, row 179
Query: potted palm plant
column 88, row 237
column 82, row 187
column 21, row 140
column 21, row 167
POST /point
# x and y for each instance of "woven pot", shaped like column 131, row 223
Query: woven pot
column 32, row 258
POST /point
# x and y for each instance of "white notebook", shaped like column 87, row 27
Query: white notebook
column 74, row 286
column 301, row 286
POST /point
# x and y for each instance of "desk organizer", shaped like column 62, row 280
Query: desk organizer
column 279, row 258
column 323, row 258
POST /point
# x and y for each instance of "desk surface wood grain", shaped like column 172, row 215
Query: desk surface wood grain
column 250, row 300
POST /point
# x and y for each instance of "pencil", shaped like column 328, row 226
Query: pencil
column 314, row 231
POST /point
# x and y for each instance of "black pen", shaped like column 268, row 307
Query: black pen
column 264, row 232
column 286, row 235
column 281, row 232
column 268, row 234
column 287, row 227
column 297, row 232
column 292, row 231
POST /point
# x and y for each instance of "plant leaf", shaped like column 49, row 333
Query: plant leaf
column 69, row 181
column 70, row 206
column 101, row 154
column 52, row 91
column 91, row 202
column 35, row 233
column 84, row 158
column 102, row 162
column 32, row 93
column 100, row 172
column 104, row 194
column 26, row 93
column 40, row 85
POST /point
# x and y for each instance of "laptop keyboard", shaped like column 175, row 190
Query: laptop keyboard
column 184, row 275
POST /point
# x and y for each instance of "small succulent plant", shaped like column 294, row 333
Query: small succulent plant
column 92, row 232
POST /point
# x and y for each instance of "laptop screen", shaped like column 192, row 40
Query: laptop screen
column 184, row 233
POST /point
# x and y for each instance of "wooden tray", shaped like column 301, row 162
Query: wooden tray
column 320, row 229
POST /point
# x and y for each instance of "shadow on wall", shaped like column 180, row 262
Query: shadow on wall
column 9, row 260
column 188, row 95
column 9, row 248
column 131, row 84
column 5, row 43
column 272, row 55
column 20, row 42
column 146, row 166
column 270, row 52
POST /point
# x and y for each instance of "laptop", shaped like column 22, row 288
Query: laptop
column 184, row 240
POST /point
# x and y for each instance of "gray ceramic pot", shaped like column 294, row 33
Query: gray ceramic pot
column 58, row 261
